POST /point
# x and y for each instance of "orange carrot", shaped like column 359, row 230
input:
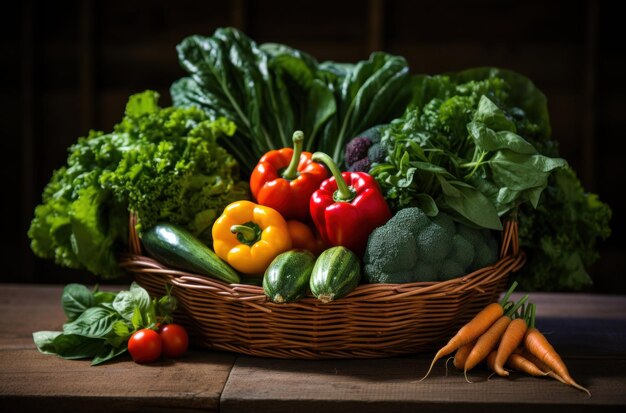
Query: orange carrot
column 537, row 344
column 512, row 337
column 489, row 340
column 486, row 343
column 520, row 363
column 491, row 359
column 541, row 366
column 473, row 329
column 461, row 355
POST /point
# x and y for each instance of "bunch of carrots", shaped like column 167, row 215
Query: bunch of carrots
column 504, row 334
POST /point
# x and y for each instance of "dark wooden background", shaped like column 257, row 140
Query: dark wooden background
column 69, row 66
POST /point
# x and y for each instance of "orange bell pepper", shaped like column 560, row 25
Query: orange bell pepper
column 306, row 238
column 249, row 236
column 284, row 179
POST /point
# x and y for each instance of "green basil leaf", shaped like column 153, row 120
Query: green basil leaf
column 107, row 353
column 166, row 306
column 95, row 322
column 120, row 328
column 103, row 297
column 71, row 347
column 75, row 299
column 44, row 340
column 140, row 296
column 125, row 305
column 137, row 319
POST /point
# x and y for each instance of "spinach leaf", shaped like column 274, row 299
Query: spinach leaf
column 461, row 145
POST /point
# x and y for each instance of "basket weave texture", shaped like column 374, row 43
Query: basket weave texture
column 375, row 320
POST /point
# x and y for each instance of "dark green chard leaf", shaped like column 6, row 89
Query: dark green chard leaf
column 370, row 94
column 271, row 90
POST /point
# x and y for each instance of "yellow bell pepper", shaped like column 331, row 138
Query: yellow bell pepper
column 249, row 236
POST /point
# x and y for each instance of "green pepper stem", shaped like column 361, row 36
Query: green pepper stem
column 344, row 192
column 248, row 234
column 292, row 170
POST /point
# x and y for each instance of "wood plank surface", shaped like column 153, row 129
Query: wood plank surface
column 31, row 381
column 588, row 330
column 389, row 385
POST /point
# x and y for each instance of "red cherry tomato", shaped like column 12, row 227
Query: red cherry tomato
column 145, row 346
column 175, row 340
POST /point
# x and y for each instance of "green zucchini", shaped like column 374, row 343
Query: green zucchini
column 178, row 248
column 286, row 279
column 336, row 273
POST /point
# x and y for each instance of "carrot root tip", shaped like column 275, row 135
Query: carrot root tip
column 465, row 374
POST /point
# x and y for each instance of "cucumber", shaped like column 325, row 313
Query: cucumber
column 286, row 279
column 337, row 272
column 178, row 248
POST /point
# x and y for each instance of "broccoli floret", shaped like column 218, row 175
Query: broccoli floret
column 435, row 241
column 413, row 247
column 364, row 150
column 485, row 246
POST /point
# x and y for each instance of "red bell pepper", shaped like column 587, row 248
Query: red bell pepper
column 347, row 207
column 284, row 180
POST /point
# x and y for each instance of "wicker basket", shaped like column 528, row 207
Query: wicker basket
column 375, row 320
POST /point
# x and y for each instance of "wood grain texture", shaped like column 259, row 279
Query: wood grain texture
column 31, row 381
column 589, row 331
column 390, row 385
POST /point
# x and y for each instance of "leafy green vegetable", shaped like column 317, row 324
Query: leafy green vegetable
column 477, row 144
column 271, row 90
column 100, row 329
column 561, row 236
column 459, row 148
column 162, row 164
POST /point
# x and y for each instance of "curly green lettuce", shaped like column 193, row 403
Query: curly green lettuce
column 164, row 164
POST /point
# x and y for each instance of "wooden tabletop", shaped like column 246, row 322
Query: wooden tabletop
column 588, row 331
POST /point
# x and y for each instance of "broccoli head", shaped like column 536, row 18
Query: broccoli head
column 413, row 247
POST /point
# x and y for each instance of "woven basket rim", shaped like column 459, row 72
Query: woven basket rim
column 374, row 320
column 511, row 259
